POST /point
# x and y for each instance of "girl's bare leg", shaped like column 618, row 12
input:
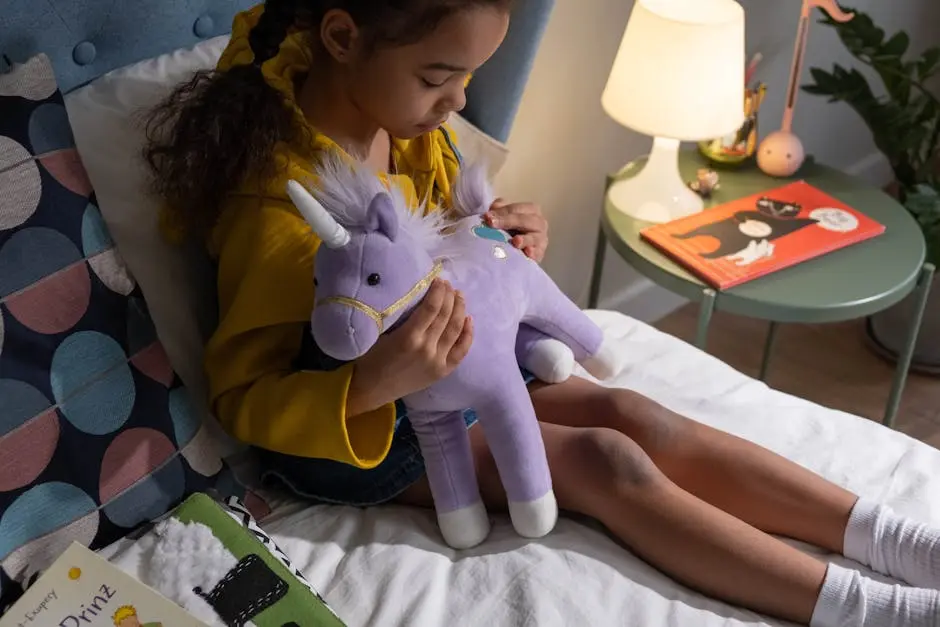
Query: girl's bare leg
column 604, row 474
column 748, row 481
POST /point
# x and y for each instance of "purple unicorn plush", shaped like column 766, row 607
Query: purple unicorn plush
column 376, row 261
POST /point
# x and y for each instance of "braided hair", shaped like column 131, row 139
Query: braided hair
column 216, row 129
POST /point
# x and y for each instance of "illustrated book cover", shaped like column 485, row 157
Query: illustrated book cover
column 751, row 237
column 82, row 589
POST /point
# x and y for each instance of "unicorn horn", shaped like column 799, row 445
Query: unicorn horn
column 331, row 233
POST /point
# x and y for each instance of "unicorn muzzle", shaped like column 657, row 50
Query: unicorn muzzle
column 341, row 332
column 381, row 316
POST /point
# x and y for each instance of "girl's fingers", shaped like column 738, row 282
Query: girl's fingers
column 531, row 244
column 427, row 312
column 522, row 220
column 437, row 326
column 463, row 343
column 498, row 204
column 454, row 325
column 536, row 254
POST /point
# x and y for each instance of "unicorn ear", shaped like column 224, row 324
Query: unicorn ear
column 382, row 216
column 330, row 231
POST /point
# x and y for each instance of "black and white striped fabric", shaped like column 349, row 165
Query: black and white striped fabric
column 237, row 510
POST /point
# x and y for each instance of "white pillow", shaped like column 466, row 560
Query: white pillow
column 178, row 284
column 474, row 144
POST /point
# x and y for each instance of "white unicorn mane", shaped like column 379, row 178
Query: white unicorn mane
column 346, row 189
column 473, row 194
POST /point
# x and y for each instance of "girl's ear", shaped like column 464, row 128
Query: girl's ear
column 382, row 216
column 339, row 34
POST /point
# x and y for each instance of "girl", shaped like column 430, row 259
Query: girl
column 376, row 80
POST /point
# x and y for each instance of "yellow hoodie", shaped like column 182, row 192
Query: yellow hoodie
column 265, row 253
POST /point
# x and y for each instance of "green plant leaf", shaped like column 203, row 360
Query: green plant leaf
column 928, row 63
column 825, row 83
column 923, row 202
column 905, row 123
column 894, row 48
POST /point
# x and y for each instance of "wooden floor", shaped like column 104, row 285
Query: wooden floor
column 827, row 364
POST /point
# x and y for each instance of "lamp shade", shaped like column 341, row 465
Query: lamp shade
column 679, row 72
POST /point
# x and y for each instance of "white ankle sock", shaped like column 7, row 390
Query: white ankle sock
column 892, row 545
column 848, row 599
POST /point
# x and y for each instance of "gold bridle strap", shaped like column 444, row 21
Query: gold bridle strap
column 380, row 316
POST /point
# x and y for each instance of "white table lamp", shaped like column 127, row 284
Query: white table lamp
column 678, row 76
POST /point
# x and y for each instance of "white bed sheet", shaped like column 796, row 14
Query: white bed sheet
column 388, row 566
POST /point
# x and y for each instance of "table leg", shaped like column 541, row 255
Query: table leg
column 768, row 349
column 705, row 311
column 921, row 291
column 599, row 252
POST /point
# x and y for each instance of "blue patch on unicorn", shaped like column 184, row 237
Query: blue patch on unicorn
column 488, row 232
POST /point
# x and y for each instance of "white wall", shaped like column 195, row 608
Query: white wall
column 563, row 144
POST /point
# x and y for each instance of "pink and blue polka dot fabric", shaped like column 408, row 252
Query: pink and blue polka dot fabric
column 97, row 435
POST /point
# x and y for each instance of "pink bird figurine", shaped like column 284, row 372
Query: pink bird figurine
column 781, row 153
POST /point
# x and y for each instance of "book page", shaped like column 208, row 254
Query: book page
column 82, row 589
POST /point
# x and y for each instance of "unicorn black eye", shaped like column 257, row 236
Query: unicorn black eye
column 315, row 282
column 374, row 279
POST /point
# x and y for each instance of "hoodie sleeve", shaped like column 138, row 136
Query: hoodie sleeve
column 265, row 285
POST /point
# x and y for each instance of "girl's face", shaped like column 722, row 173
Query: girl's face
column 410, row 90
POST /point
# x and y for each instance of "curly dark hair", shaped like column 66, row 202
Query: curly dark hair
column 216, row 128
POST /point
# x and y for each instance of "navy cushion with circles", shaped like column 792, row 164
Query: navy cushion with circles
column 97, row 433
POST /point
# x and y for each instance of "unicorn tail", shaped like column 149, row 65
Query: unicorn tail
column 473, row 194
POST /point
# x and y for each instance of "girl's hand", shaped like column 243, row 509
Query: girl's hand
column 525, row 221
column 426, row 348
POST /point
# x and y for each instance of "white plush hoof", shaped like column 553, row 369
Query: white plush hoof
column 466, row 527
column 534, row 519
column 550, row 360
column 605, row 363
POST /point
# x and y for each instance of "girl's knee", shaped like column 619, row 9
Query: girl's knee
column 642, row 419
column 607, row 457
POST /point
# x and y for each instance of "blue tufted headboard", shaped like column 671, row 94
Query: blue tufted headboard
column 87, row 38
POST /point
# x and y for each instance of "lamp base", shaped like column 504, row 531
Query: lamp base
column 657, row 193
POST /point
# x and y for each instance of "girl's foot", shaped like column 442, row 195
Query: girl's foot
column 848, row 599
column 893, row 545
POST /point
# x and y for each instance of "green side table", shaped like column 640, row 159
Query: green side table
column 847, row 284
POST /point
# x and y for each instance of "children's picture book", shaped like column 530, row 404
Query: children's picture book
column 751, row 237
column 82, row 589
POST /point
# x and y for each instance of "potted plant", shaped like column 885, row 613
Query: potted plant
column 905, row 125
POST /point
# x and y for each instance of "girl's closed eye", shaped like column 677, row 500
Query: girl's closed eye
column 432, row 84
column 441, row 73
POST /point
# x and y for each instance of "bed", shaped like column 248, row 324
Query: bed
column 388, row 566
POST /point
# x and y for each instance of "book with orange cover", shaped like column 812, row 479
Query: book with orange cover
column 751, row 237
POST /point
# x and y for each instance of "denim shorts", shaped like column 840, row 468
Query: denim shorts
column 326, row 481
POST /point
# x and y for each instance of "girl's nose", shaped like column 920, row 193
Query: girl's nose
column 456, row 101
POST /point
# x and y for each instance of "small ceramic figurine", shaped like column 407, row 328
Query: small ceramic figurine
column 780, row 154
column 706, row 182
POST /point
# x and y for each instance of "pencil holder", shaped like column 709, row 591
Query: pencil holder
column 736, row 148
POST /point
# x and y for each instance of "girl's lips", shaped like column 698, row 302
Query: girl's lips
column 432, row 126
